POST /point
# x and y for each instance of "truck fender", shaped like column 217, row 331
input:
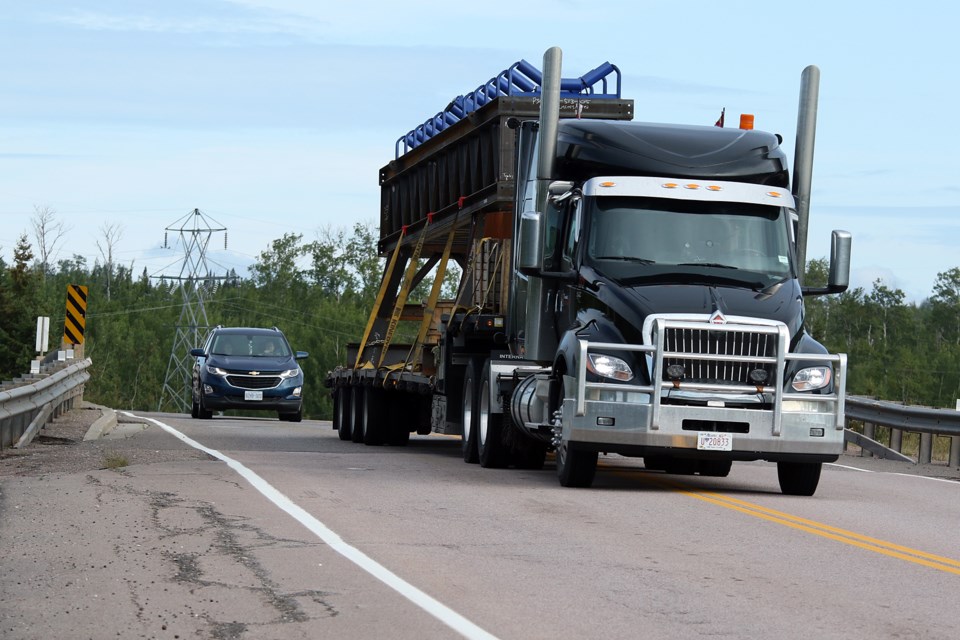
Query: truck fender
column 597, row 329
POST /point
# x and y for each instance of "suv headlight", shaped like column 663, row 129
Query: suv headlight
column 289, row 373
column 609, row 367
column 217, row 371
column 812, row 378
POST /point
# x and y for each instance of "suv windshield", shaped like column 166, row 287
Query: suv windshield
column 256, row 345
column 666, row 239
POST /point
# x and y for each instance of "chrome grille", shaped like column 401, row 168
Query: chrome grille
column 742, row 345
column 253, row 382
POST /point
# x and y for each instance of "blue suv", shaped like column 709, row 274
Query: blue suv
column 247, row 368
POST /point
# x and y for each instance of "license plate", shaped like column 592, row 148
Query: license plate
column 710, row 441
column 253, row 395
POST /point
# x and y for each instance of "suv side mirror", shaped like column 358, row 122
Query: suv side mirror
column 197, row 353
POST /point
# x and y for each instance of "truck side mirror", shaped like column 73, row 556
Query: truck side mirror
column 529, row 259
column 839, row 278
column 839, row 261
column 528, row 250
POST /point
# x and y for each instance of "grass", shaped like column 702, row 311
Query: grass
column 114, row 460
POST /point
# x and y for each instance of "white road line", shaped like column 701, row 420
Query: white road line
column 843, row 466
column 432, row 606
column 892, row 473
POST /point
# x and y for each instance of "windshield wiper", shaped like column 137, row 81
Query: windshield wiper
column 627, row 259
column 708, row 264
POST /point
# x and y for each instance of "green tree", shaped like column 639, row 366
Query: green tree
column 18, row 311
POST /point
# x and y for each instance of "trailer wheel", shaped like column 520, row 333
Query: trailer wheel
column 799, row 478
column 398, row 437
column 374, row 433
column 492, row 451
column 398, row 420
column 342, row 414
column 469, row 414
column 575, row 467
column 356, row 413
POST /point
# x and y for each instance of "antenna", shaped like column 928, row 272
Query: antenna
column 195, row 231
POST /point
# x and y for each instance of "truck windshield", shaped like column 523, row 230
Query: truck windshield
column 687, row 240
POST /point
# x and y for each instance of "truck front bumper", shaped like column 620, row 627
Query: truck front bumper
column 627, row 428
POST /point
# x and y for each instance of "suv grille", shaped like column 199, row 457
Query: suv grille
column 253, row 382
column 720, row 343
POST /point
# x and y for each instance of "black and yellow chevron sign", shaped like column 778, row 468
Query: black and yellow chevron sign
column 76, row 319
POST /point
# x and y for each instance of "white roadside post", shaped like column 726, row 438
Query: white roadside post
column 43, row 342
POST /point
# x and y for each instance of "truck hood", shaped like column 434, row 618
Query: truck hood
column 629, row 306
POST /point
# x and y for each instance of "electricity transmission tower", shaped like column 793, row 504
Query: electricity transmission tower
column 195, row 280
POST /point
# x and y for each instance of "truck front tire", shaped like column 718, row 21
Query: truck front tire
column 575, row 467
column 799, row 478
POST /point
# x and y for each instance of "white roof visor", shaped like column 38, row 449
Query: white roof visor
column 703, row 190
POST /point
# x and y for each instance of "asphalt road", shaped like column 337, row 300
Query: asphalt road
column 284, row 531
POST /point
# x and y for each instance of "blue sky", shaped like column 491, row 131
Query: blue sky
column 275, row 116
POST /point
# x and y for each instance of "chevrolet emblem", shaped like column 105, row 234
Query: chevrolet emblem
column 254, row 373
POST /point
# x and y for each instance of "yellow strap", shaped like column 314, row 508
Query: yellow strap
column 380, row 296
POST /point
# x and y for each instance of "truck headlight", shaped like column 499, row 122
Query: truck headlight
column 609, row 367
column 812, row 378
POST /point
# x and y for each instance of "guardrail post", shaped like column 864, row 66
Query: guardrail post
column 896, row 440
column 926, row 448
column 869, row 429
column 954, row 451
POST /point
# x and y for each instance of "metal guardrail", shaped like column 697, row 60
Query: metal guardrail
column 926, row 421
column 25, row 409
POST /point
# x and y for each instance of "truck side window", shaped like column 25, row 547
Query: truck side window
column 573, row 236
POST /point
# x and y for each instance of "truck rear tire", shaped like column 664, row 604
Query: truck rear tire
column 491, row 448
column 374, row 431
column 575, row 467
column 342, row 415
column 799, row 478
column 401, row 411
column 469, row 414
column 356, row 413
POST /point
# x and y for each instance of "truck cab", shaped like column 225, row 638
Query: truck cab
column 662, row 261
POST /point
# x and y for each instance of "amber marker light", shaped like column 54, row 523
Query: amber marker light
column 669, row 185
column 608, row 184
column 692, row 185
column 714, row 187
column 746, row 121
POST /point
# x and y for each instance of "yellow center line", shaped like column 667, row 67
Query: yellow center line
column 837, row 534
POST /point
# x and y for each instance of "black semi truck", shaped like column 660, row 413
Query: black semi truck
column 626, row 288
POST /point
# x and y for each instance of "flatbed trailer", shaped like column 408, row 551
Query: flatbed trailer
column 449, row 195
